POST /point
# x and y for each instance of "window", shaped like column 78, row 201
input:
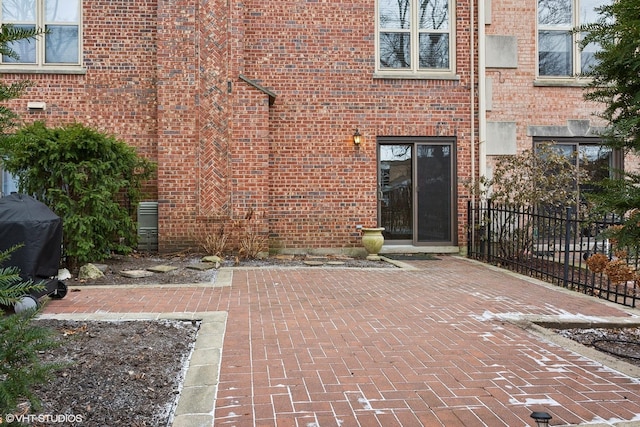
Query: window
column 559, row 54
column 60, row 47
column 589, row 154
column 414, row 37
column 8, row 183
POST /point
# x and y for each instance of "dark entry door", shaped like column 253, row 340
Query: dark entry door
column 416, row 185
column 434, row 193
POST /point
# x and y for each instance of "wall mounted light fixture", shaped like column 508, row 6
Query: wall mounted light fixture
column 357, row 137
column 542, row 418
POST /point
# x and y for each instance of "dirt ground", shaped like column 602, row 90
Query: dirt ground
column 623, row 343
column 115, row 373
column 189, row 268
column 129, row 373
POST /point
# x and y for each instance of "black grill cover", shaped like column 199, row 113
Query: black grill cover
column 24, row 220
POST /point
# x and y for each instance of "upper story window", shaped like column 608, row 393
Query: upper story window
column 59, row 47
column 559, row 54
column 414, row 37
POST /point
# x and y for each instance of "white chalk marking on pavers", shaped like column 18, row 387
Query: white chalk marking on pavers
column 529, row 401
column 365, row 403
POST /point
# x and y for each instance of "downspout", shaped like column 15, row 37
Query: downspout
column 472, row 78
column 482, row 90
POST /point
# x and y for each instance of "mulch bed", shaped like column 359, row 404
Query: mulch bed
column 115, row 373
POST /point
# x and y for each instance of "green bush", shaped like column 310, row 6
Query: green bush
column 90, row 179
column 20, row 365
column 20, row 344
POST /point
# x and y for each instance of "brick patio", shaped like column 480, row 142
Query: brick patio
column 430, row 346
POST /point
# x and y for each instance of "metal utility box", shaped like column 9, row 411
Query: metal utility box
column 148, row 226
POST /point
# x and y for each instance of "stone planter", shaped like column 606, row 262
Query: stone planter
column 372, row 240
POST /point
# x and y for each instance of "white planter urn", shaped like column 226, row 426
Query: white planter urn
column 372, row 240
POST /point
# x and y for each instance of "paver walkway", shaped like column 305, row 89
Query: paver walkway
column 391, row 347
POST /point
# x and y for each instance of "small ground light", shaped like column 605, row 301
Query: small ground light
column 542, row 418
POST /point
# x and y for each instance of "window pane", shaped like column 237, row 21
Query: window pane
column 433, row 14
column 25, row 48
column 565, row 150
column 61, row 44
column 19, row 11
column 597, row 162
column 434, row 182
column 587, row 57
column 555, row 12
column 395, row 14
column 434, row 50
column 396, row 193
column 9, row 183
column 395, row 50
column 61, row 10
column 554, row 56
column 588, row 13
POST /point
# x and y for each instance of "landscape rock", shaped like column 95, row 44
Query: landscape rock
column 89, row 272
column 64, row 274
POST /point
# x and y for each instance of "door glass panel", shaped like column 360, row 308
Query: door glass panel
column 395, row 184
column 434, row 193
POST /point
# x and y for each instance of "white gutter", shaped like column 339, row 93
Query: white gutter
column 482, row 90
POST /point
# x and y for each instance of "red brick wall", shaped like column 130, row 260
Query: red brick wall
column 318, row 57
column 118, row 92
column 515, row 98
column 164, row 76
column 178, row 121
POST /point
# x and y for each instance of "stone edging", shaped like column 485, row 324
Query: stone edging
column 196, row 402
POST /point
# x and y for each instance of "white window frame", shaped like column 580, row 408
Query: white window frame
column 40, row 66
column 575, row 51
column 415, row 72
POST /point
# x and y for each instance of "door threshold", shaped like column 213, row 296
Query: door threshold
column 411, row 249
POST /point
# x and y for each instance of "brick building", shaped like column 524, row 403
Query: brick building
column 532, row 93
column 251, row 107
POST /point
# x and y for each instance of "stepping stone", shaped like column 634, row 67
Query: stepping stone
column 202, row 266
column 336, row 263
column 313, row 263
column 284, row 257
column 212, row 259
column 101, row 267
column 136, row 274
column 162, row 268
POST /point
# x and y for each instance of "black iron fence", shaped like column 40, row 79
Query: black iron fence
column 557, row 246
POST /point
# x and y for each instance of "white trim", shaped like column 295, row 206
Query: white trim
column 40, row 66
column 415, row 72
column 576, row 53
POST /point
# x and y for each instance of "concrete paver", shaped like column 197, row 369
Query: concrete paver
column 447, row 343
